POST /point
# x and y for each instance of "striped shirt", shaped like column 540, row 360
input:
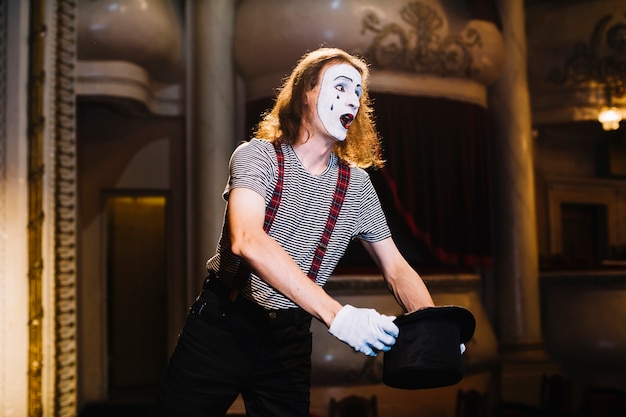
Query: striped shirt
column 301, row 216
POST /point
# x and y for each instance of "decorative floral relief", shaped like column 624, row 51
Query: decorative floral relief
column 421, row 49
column 602, row 60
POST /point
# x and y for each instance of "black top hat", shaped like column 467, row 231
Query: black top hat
column 427, row 351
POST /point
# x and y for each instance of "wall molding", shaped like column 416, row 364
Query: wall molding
column 65, row 218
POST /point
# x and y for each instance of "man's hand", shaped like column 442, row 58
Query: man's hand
column 366, row 330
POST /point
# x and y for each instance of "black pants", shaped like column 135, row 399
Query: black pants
column 227, row 348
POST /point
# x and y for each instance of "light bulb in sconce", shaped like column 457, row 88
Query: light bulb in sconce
column 610, row 118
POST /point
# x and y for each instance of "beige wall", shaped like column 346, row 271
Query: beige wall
column 116, row 153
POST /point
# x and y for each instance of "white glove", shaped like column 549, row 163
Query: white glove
column 366, row 330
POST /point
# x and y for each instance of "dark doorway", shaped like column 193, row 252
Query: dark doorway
column 136, row 300
column 585, row 234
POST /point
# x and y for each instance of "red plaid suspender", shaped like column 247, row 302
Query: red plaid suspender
column 272, row 207
column 343, row 180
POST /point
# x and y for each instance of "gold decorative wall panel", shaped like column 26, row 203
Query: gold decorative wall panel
column 51, row 209
column 36, row 123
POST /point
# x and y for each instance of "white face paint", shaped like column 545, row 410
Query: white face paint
column 339, row 99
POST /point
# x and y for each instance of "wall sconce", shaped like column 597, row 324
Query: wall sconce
column 610, row 118
column 609, row 115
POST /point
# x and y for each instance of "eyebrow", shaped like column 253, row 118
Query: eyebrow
column 344, row 77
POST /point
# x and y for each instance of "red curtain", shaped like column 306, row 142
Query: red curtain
column 438, row 174
column 436, row 184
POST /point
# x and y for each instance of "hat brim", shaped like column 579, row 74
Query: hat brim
column 427, row 352
column 461, row 316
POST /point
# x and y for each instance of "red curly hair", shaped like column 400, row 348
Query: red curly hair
column 282, row 124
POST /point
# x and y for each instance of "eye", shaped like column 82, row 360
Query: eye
column 340, row 87
column 358, row 91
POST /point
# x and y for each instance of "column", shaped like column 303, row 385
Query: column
column 13, row 208
column 516, row 270
column 211, row 127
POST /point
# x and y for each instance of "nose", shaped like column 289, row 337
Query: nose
column 352, row 101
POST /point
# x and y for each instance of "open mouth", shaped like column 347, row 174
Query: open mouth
column 346, row 120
